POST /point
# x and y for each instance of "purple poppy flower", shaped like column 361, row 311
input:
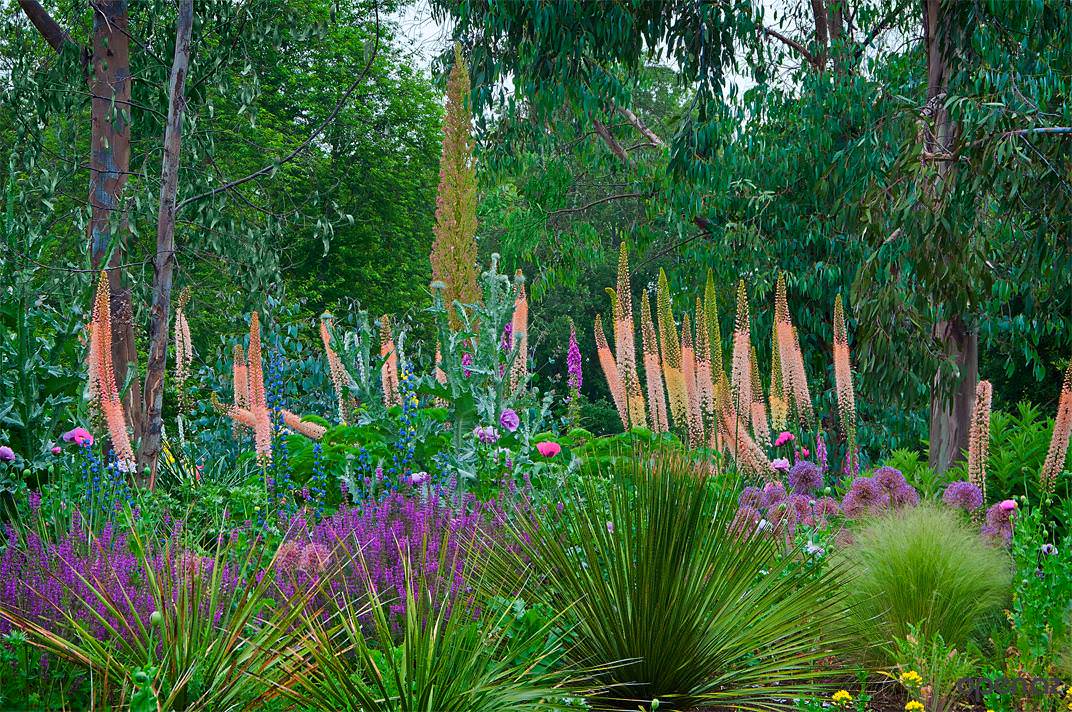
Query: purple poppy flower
column 7, row 454
column 509, row 420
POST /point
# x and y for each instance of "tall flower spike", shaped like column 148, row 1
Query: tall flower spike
column 574, row 377
column 741, row 369
column 759, row 412
column 794, row 377
column 779, row 402
column 742, row 448
column 843, row 378
column 520, row 330
column 692, row 392
column 339, row 378
column 258, row 399
column 389, row 370
column 313, row 431
column 714, row 330
column 1062, row 429
column 671, row 354
column 705, row 385
column 102, row 371
column 652, row 370
column 979, row 436
column 610, row 370
column 241, row 378
column 184, row 348
column 454, row 247
column 625, row 340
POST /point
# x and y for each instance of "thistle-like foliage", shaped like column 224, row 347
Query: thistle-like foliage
column 671, row 354
column 790, row 359
column 520, row 334
column 843, row 378
column 704, row 376
column 714, row 331
column 1062, row 429
column 454, row 253
column 610, row 370
column 979, row 436
column 778, row 398
column 741, row 369
column 652, row 370
column 258, row 399
column 759, row 411
column 625, row 340
column 102, row 376
column 389, row 370
column 339, row 378
column 692, row 391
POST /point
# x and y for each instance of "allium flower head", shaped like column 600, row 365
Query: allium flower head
column 805, row 477
column 963, row 495
column 864, row 497
column 773, row 494
column 889, row 479
column 904, row 496
column 509, row 420
column 751, row 497
column 998, row 525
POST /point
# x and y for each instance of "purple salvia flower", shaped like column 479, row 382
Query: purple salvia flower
column 573, row 363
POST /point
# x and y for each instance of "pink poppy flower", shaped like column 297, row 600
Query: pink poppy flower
column 548, row 449
column 78, row 436
column 56, row 450
column 804, row 452
column 1007, row 505
column 783, row 438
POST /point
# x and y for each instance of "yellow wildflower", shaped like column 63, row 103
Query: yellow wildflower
column 914, row 706
column 910, row 679
column 842, row 697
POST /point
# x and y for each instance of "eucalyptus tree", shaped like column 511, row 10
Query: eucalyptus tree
column 853, row 144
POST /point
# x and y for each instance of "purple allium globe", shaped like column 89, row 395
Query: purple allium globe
column 773, row 494
column 805, row 477
column 751, row 497
column 963, row 495
column 509, row 420
column 998, row 527
column 889, row 479
column 864, row 497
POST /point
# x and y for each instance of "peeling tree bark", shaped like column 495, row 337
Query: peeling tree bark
column 952, row 397
column 164, row 262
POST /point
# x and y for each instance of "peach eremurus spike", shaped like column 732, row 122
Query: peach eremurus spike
column 610, row 370
column 794, row 376
column 979, row 436
column 705, row 385
column 339, row 378
column 102, row 383
column 389, row 370
column 692, row 392
column 760, row 427
column 670, row 346
column 846, row 397
column 258, row 401
column 652, row 369
column 778, row 398
column 625, row 341
column 520, row 333
column 1062, row 429
column 741, row 368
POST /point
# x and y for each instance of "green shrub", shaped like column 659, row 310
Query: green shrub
column 923, row 567
column 666, row 602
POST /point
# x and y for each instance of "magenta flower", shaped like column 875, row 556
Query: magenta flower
column 573, row 362
column 783, row 438
column 56, row 450
column 79, row 436
column 1007, row 505
column 467, row 360
column 7, row 454
column 548, row 449
column 509, row 420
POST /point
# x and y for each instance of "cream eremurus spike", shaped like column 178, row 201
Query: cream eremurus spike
column 670, row 346
column 610, row 371
column 704, row 377
column 625, row 341
column 794, row 377
column 778, row 398
column 692, row 392
column 846, row 397
column 760, row 428
column 741, row 368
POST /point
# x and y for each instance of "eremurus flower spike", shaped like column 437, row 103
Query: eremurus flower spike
column 1062, row 429
column 610, row 370
column 339, row 378
column 843, row 378
column 625, row 340
column 760, row 428
column 692, row 392
column 705, row 385
column 258, row 400
column 520, row 332
column 778, row 399
column 979, row 436
column 794, row 377
column 652, row 370
column 102, row 376
column 671, row 354
column 741, row 368
column 714, row 331
column 389, row 370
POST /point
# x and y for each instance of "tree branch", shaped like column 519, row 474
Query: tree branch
column 639, row 125
column 612, row 143
column 882, row 25
column 265, row 170
column 808, row 56
column 599, row 201
column 48, row 27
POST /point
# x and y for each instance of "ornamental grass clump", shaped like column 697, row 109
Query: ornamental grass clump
column 923, row 567
column 649, row 576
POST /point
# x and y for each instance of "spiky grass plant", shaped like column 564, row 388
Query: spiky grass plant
column 926, row 567
column 471, row 656
column 197, row 632
column 643, row 563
